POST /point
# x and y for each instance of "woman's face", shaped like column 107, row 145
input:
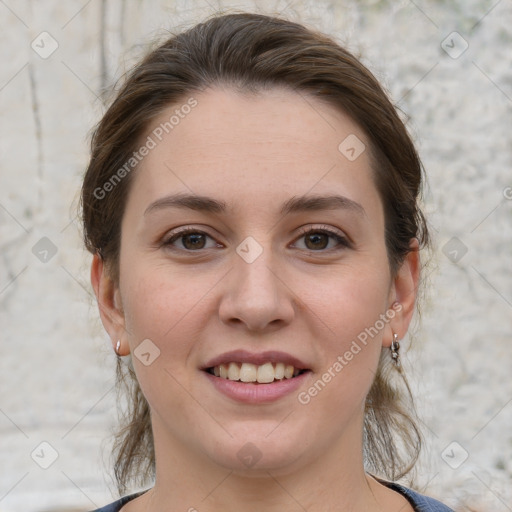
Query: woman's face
column 255, row 174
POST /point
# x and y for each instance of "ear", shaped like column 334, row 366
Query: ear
column 402, row 295
column 109, row 303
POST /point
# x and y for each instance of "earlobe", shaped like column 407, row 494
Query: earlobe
column 109, row 303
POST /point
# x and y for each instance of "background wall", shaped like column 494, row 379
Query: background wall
column 447, row 65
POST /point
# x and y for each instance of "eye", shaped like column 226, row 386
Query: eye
column 317, row 239
column 189, row 239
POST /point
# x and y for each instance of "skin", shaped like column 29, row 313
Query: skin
column 254, row 153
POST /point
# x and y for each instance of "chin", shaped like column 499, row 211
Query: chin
column 256, row 455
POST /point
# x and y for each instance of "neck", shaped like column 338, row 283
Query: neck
column 331, row 481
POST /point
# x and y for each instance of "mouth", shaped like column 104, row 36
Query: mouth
column 266, row 373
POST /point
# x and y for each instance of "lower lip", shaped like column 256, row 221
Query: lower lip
column 254, row 393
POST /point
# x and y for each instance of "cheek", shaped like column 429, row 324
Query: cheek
column 350, row 309
column 157, row 301
column 347, row 300
column 161, row 308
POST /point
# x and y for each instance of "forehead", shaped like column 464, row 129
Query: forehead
column 272, row 144
column 274, row 120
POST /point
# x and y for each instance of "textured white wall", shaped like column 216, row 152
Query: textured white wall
column 56, row 365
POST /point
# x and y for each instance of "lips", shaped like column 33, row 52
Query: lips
column 254, row 393
column 256, row 378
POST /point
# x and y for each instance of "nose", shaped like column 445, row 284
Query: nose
column 257, row 295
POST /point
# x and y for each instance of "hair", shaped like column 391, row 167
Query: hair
column 251, row 53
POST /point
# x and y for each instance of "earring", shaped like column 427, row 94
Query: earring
column 395, row 347
column 118, row 346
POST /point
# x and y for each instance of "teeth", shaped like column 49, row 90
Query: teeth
column 248, row 372
column 265, row 373
column 233, row 372
column 279, row 371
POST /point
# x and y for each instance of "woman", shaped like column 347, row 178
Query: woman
column 252, row 207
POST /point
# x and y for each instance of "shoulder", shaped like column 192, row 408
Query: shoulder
column 116, row 506
column 420, row 502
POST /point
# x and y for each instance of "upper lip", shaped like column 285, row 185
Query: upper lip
column 243, row 356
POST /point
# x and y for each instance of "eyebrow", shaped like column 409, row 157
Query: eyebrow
column 293, row 205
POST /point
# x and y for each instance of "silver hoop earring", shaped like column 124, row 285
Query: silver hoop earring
column 118, row 346
column 395, row 347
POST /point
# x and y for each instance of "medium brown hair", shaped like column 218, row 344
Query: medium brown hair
column 251, row 53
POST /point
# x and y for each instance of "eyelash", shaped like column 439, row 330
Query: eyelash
column 343, row 242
